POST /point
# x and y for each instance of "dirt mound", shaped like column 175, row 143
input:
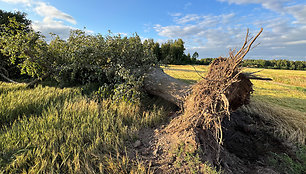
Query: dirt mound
column 247, row 144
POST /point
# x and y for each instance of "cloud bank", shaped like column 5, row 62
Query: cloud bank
column 213, row 35
column 54, row 21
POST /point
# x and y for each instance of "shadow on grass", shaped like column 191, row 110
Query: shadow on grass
column 9, row 115
column 190, row 82
column 8, row 156
column 288, row 102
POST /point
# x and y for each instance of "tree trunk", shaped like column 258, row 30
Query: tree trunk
column 173, row 90
column 161, row 84
column 8, row 79
column 34, row 82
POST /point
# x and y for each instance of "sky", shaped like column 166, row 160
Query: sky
column 209, row 27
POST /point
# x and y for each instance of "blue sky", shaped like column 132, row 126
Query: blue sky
column 210, row 27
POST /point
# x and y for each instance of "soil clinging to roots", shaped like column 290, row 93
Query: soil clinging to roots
column 237, row 144
column 222, row 91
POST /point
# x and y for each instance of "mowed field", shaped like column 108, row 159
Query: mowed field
column 287, row 89
column 282, row 100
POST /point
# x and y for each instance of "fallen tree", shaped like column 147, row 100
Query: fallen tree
column 79, row 60
column 120, row 64
column 239, row 144
column 223, row 90
column 117, row 61
column 225, row 71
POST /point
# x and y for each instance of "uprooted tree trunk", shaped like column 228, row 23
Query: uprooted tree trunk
column 160, row 84
column 223, row 90
column 223, row 71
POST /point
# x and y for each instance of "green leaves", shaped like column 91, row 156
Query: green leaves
column 23, row 46
column 81, row 59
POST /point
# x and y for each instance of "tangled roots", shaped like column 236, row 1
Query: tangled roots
column 223, row 90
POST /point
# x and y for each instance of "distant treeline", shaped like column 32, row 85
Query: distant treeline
column 259, row 63
column 275, row 64
column 172, row 52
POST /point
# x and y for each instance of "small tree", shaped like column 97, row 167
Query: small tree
column 195, row 55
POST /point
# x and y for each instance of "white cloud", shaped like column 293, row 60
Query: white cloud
column 275, row 5
column 48, row 26
column 298, row 12
column 53, row 19
column 50, row 12
column 296, row 42
column 188, row 18
column 192, row 25
column 213, row 35
column 177, row 31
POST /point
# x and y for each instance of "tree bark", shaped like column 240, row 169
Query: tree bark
column 161, row 84
column 34, row 82
column 173, row 90
column 8, row 79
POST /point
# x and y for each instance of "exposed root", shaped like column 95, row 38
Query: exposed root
column 240, row 144
column 223, row 90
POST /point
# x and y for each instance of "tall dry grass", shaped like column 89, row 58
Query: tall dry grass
column 286, row 123
column 52, row 130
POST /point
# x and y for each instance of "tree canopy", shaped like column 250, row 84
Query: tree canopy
column 113, row 62
column 8, row 67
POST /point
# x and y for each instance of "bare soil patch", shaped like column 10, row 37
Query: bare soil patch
column 248, row 143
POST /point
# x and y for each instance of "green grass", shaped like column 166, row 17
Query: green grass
column 287, row 88
column 282, row 95
column 17, row 101
column 190, row 162
column 286, row 77
column 52, row 130
column 284, row 163
column 186, row 73
column 289, row 124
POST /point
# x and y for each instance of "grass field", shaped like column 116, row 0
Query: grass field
column 59, row 130
column 53, row 130
column 288, row 88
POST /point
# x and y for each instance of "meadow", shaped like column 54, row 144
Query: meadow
column 54, row 130
column 287, row 88
column 60, row 130
column 90, row 107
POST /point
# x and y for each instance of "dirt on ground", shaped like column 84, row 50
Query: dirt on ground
column 248, row 142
